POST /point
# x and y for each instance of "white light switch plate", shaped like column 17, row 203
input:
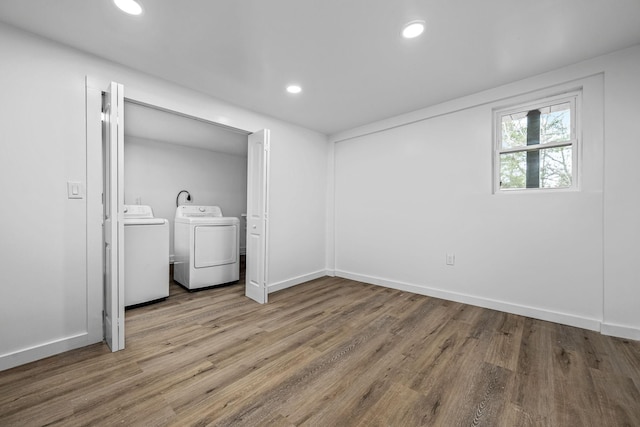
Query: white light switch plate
column 75, row 190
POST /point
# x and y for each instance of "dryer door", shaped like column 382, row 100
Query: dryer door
column 215, row 245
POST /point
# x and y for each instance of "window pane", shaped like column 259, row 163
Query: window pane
column 555, row 126
column 514, row 130
column 555, row 167
column 513, row 170
column 555, row 123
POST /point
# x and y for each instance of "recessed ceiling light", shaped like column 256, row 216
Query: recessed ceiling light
column 131, row 7
column 413, row 29
column 294, row 89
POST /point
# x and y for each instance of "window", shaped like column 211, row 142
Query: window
column 536, row 145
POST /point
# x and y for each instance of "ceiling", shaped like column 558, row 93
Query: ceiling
column 347, row 55
column 161, row 126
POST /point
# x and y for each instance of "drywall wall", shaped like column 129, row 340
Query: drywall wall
column 154, row 173
column 412, row 188
column 408, row 196
column 622, row 196
column 44, row 307
column 53, row 298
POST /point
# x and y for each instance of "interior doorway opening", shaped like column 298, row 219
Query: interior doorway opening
column 113, row 119
column 173, row 159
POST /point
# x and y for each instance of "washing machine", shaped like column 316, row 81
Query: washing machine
column 146, row 256
column 206, row 246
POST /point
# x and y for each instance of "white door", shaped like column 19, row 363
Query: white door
column 113, row 150
column 257, row 216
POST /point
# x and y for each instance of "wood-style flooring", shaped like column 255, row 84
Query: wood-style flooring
column 331, row 352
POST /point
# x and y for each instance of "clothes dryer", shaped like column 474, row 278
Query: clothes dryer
column 206, row 246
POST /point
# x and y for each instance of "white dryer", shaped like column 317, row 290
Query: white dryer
column 206, row 247
column 146, row 256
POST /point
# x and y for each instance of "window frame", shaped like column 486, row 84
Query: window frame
column 574, row 99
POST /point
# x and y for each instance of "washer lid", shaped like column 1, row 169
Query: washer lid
column 137, row 211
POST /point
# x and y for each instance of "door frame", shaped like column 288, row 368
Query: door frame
column 94, row 90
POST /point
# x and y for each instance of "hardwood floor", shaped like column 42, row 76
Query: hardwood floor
column 331, row 352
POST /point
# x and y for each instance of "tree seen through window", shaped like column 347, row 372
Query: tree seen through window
column 539, row 157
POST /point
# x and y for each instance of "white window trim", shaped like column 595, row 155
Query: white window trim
column 575, row 99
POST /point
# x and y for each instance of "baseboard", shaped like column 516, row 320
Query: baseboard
column 522, row 310
column 620, row 331
column 31, row 354
column 274, row 287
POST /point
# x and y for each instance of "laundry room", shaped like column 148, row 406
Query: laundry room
column 173, row 160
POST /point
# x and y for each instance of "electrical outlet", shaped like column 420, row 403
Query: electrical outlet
column 451, row 259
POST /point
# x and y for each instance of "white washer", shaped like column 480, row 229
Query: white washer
column 206, row 247
column 146, row 256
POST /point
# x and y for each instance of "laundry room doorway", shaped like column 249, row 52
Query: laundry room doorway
column 116, row 195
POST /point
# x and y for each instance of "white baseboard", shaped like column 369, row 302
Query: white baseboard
column 522, row 310
column 295, row 281
column 620, row 331
column 31, row 354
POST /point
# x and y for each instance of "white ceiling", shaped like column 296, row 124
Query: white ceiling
column 158, row 125
column 347, row 54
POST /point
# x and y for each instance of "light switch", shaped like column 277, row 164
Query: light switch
column 75, row 190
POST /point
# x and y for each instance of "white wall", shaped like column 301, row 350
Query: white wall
column 155, row 172
column 622, row 196
column 49, row 303
column 44, row 306
column 412, row 188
